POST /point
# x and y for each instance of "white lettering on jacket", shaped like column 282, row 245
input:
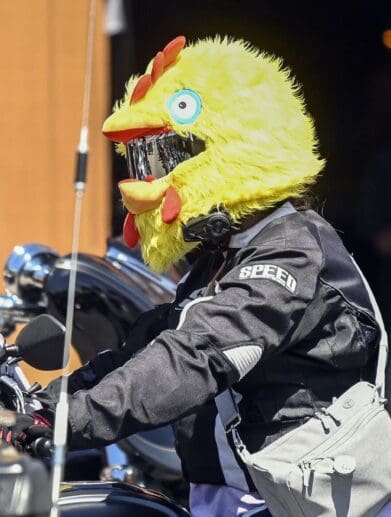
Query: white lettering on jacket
column 270, row 272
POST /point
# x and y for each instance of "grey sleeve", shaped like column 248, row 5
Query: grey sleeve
column 147, row 326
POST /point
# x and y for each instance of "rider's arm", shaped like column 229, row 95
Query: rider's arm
column 220, row 338
column 146, row 327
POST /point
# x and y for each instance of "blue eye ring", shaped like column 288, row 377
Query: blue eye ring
column 185, row 106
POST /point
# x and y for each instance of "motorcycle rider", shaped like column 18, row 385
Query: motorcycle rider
column 273, row 306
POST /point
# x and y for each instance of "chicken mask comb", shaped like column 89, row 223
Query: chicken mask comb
column 161, row 62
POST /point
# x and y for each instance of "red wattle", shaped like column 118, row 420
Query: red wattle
column 130, row 233
column 171, row 206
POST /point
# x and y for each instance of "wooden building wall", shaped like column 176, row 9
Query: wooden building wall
column 42, row 60
column 42, row 66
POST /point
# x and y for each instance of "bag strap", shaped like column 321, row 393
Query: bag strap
column 228, row 409
column 226, row 403
column 380, row 380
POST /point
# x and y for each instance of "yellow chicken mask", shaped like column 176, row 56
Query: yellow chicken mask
column 241, row 131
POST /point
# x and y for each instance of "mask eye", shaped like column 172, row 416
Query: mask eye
column 185, row 106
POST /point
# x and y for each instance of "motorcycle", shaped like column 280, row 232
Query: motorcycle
column 111, row 291
column 40, row 344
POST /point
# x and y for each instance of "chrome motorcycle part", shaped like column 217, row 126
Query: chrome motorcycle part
column 13, row 310
column 26, row 270
column 123, row 473
column 134, row 476
column 98, row 499
column 2, row 346
column 119, row 469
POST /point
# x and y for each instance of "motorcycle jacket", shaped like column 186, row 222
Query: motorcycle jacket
column 283, row 318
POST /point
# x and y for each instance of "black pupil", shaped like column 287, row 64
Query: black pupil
column 182, row 105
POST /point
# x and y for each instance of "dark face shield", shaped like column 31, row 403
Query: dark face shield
column 157, row 155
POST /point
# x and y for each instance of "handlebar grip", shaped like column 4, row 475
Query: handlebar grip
column 42, row 447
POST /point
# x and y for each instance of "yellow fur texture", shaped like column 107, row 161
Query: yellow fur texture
column 260, row 142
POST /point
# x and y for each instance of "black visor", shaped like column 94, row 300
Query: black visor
column 157, row 155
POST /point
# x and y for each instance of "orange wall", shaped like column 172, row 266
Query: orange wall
column 42, row 63
column 42, row 60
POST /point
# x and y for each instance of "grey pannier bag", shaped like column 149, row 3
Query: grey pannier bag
column 337, row 464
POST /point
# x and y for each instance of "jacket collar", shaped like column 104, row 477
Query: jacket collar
column 243, row 238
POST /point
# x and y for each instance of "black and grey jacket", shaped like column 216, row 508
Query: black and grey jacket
column 289, row 327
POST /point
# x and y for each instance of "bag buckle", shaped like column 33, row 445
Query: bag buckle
column 241, row 450
column 236, row 439
column 231, row 426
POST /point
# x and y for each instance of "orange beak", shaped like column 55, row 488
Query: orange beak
column 141, row 196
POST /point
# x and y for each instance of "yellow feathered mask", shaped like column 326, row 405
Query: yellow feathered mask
column 258, row 142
